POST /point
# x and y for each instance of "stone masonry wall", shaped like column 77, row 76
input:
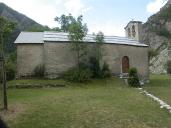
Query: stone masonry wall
column 28, row 57
column 138, row 58
column 58, row 58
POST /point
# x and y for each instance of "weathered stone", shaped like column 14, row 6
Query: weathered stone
column 58, row 58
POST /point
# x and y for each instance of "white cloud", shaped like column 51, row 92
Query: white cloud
column 155, row 5
column 109, row 28
column 76, row 7
column 44, row 11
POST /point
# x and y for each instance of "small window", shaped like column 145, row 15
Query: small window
column 129, row 32
column 133, row 31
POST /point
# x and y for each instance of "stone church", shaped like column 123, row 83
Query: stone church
column 52, row 49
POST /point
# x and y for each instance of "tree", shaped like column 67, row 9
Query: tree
column 6, row 28
column 65, row 22
column 38, row 28
column 77, row 32
column 98, row 46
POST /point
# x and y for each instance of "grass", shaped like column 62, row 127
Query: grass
column 160, row 86
column 105, row 103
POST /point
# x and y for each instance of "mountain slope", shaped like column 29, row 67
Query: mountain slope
column 157, row 34
column 23, row 23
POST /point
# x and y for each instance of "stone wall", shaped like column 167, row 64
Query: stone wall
column 58, row 57
column 138, row 58
column 28, row 57
column 138, row 30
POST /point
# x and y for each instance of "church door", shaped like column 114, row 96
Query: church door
column 125, row 64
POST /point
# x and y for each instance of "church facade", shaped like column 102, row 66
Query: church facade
column 53, row 50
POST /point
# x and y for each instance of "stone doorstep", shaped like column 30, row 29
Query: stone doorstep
column 161, row 102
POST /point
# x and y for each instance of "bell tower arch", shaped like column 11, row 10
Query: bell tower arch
column 133, row 30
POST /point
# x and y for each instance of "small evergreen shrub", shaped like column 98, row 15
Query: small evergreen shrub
column 78, row 74
column 106, row 71
column 169, row 67
column 39, row 71
column 133, row 79
column 95, row 67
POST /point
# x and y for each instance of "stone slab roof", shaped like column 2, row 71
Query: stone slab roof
column 30, row 37
column 41, row 37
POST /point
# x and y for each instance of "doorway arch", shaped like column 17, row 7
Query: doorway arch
column 125, row 64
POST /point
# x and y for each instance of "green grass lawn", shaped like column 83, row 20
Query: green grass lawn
column 160, row 86
column 98, row 104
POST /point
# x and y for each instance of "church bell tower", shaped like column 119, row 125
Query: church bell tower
column 133, row 30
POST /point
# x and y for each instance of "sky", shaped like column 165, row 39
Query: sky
column 108, row 16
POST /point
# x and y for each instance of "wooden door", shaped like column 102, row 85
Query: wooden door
column 125, row 64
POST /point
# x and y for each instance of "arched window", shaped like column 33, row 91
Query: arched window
column 129, row 32
column 133, row 31
column 125, row 64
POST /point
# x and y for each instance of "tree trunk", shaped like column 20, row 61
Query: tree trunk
column 4, row 85
column 4, row 75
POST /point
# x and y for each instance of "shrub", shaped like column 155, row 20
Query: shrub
column 152, row 53
column 10, row 71
column 94, row 66
column 39, row 71
column 169, row 67
column 133, row 79
column 81, row 74
column 164, row 32
column 106, row 71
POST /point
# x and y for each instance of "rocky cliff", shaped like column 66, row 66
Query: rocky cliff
column 157, row 34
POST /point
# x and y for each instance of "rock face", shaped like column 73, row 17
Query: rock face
column 157, row 34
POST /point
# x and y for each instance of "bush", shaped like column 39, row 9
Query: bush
column 152, row 53
column 95, row 67
column 10, row 71
column 39, row 71
column 106, row 71
column 81, row 74
column 164, row 32
column 169, row 67
column 133, row 79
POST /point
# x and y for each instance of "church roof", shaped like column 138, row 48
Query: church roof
column 41, row 37
column 30, row 37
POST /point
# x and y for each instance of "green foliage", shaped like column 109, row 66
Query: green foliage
column 83, row 74
column 36, row 28
column 98, row 46
column 152, row 53
column 94, row 66
column 39, row 71
column 169, row 67
column 106, row 73
column 133, row 79
column 164, row 32
column 160, row 31
column 165, row 14
column 10, row 70
column 6, row 27
column 77, row 31
column 65, row 22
